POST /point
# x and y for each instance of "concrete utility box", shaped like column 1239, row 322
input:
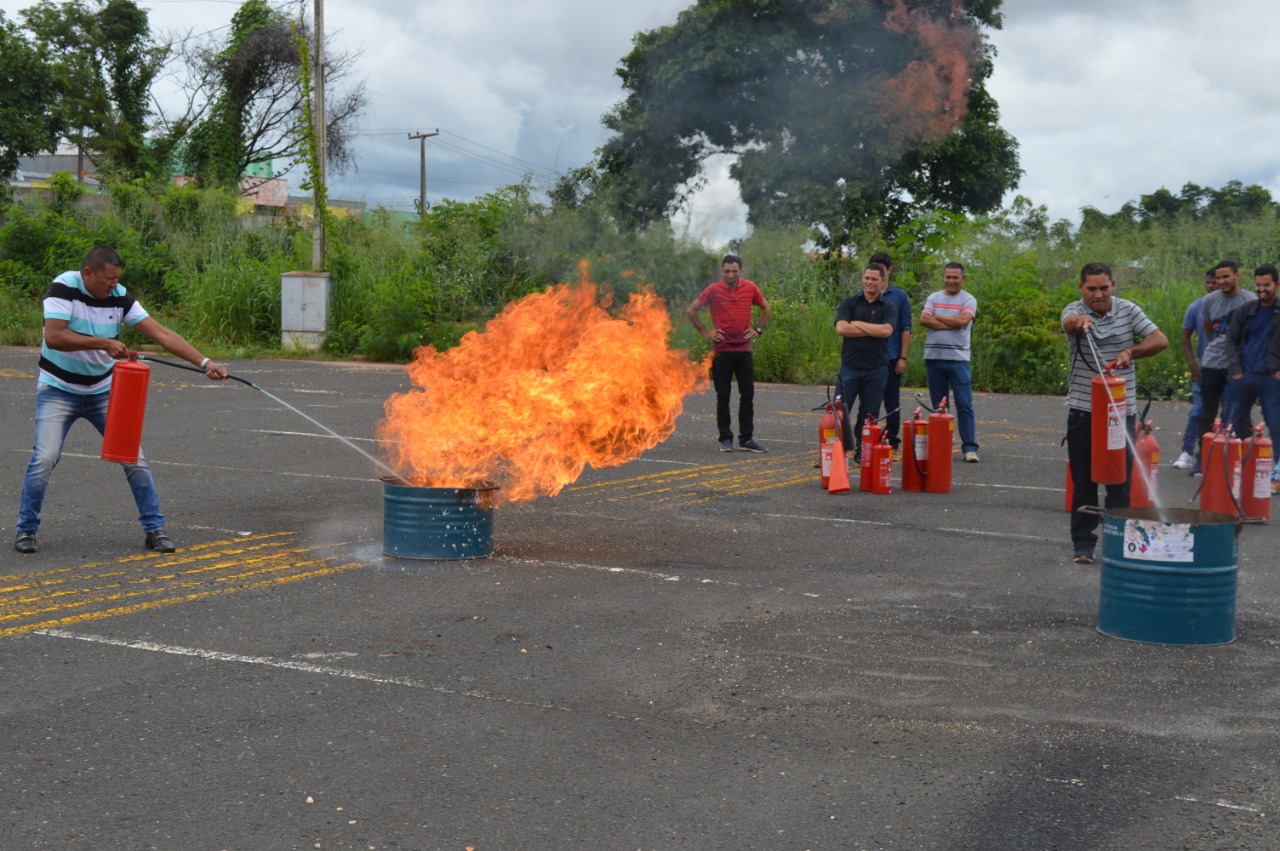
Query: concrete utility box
column 304, row 308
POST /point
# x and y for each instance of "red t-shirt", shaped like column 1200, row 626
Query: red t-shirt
column 731, row 311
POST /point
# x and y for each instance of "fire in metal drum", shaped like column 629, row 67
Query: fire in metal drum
column 437, row 523
column 1168, row 576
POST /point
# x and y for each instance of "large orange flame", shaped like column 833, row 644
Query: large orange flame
column 555, row 382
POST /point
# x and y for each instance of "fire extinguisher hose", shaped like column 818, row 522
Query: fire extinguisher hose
column 190, row 368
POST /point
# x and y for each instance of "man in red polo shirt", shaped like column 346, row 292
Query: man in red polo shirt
column 732, row 300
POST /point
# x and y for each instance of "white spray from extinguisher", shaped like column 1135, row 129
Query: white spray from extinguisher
column 1122, row 416
column 380, row 464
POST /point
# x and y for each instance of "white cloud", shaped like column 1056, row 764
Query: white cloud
column 1112, row 101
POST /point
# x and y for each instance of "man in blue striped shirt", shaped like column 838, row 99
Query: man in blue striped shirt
column 1100, row 329
column 83, row 312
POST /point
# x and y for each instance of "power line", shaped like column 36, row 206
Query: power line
column 493, row 150
column 516, row 166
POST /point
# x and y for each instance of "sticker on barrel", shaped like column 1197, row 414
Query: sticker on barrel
column 1153, row 540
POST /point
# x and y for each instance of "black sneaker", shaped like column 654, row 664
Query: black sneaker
column 726, row 446
column 752, row 446
column 26, row 542
column 159, row 542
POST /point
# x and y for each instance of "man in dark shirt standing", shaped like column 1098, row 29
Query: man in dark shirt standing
column 899, row 343
column 865, row 321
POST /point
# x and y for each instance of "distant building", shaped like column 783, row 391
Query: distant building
column 32, row 176
column 261, row 192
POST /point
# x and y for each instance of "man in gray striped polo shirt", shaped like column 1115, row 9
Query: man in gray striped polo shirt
column 83, row 312
column 1100, row 329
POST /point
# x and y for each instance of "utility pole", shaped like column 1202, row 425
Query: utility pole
column 317, row 227
column 422, row 168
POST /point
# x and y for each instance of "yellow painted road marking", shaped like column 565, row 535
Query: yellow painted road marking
column 64, row 596
column 14, row 373
column 698, row 485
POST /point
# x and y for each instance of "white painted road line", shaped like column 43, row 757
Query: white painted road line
column 287, row 664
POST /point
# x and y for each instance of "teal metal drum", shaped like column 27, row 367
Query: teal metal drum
column 437, row 523
column 1168, row 576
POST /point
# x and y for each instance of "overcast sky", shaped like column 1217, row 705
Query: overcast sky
column 1108, row 100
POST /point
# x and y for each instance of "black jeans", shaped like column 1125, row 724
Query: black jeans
column 1214, row 390
column 892, row 404
column 1084, row 534
column 726, row 366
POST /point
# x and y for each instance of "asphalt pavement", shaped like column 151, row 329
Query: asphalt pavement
column 693, row 650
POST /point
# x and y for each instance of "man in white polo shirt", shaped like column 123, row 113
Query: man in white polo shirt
column 948, row 315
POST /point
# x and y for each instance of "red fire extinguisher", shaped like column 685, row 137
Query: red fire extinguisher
column 938, row 469
column 915, row 452
column 827, row 442
column 1255, row 476
column 1220, row 457
column 870, row 436
column 1107, row 416
column 882, row 466
column 1146, row 469
column 126, row 407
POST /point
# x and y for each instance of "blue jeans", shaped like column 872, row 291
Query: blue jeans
column 1261, row 387
column 56, row 411
column 867, row 386
column 957, row 375
column 1190, row 439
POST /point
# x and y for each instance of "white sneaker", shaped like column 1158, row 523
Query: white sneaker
column 971, row 457
column 1184, row 462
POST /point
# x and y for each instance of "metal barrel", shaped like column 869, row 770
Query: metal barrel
column 437, row 523
column 1168, row 576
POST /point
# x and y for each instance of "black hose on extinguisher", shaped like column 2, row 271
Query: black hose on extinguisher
column 190, row 368
column 842, row 413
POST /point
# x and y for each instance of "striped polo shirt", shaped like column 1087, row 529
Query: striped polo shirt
column 89, row 370
column 731, row 312
column 1112, row 334
column 949, row 343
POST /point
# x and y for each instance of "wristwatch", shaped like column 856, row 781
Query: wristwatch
column 759, row 330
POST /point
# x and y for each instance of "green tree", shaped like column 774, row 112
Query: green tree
column 249, row 98
column 29, row 112
column 839, row 113
column 104, row 63
column 1235, row 201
